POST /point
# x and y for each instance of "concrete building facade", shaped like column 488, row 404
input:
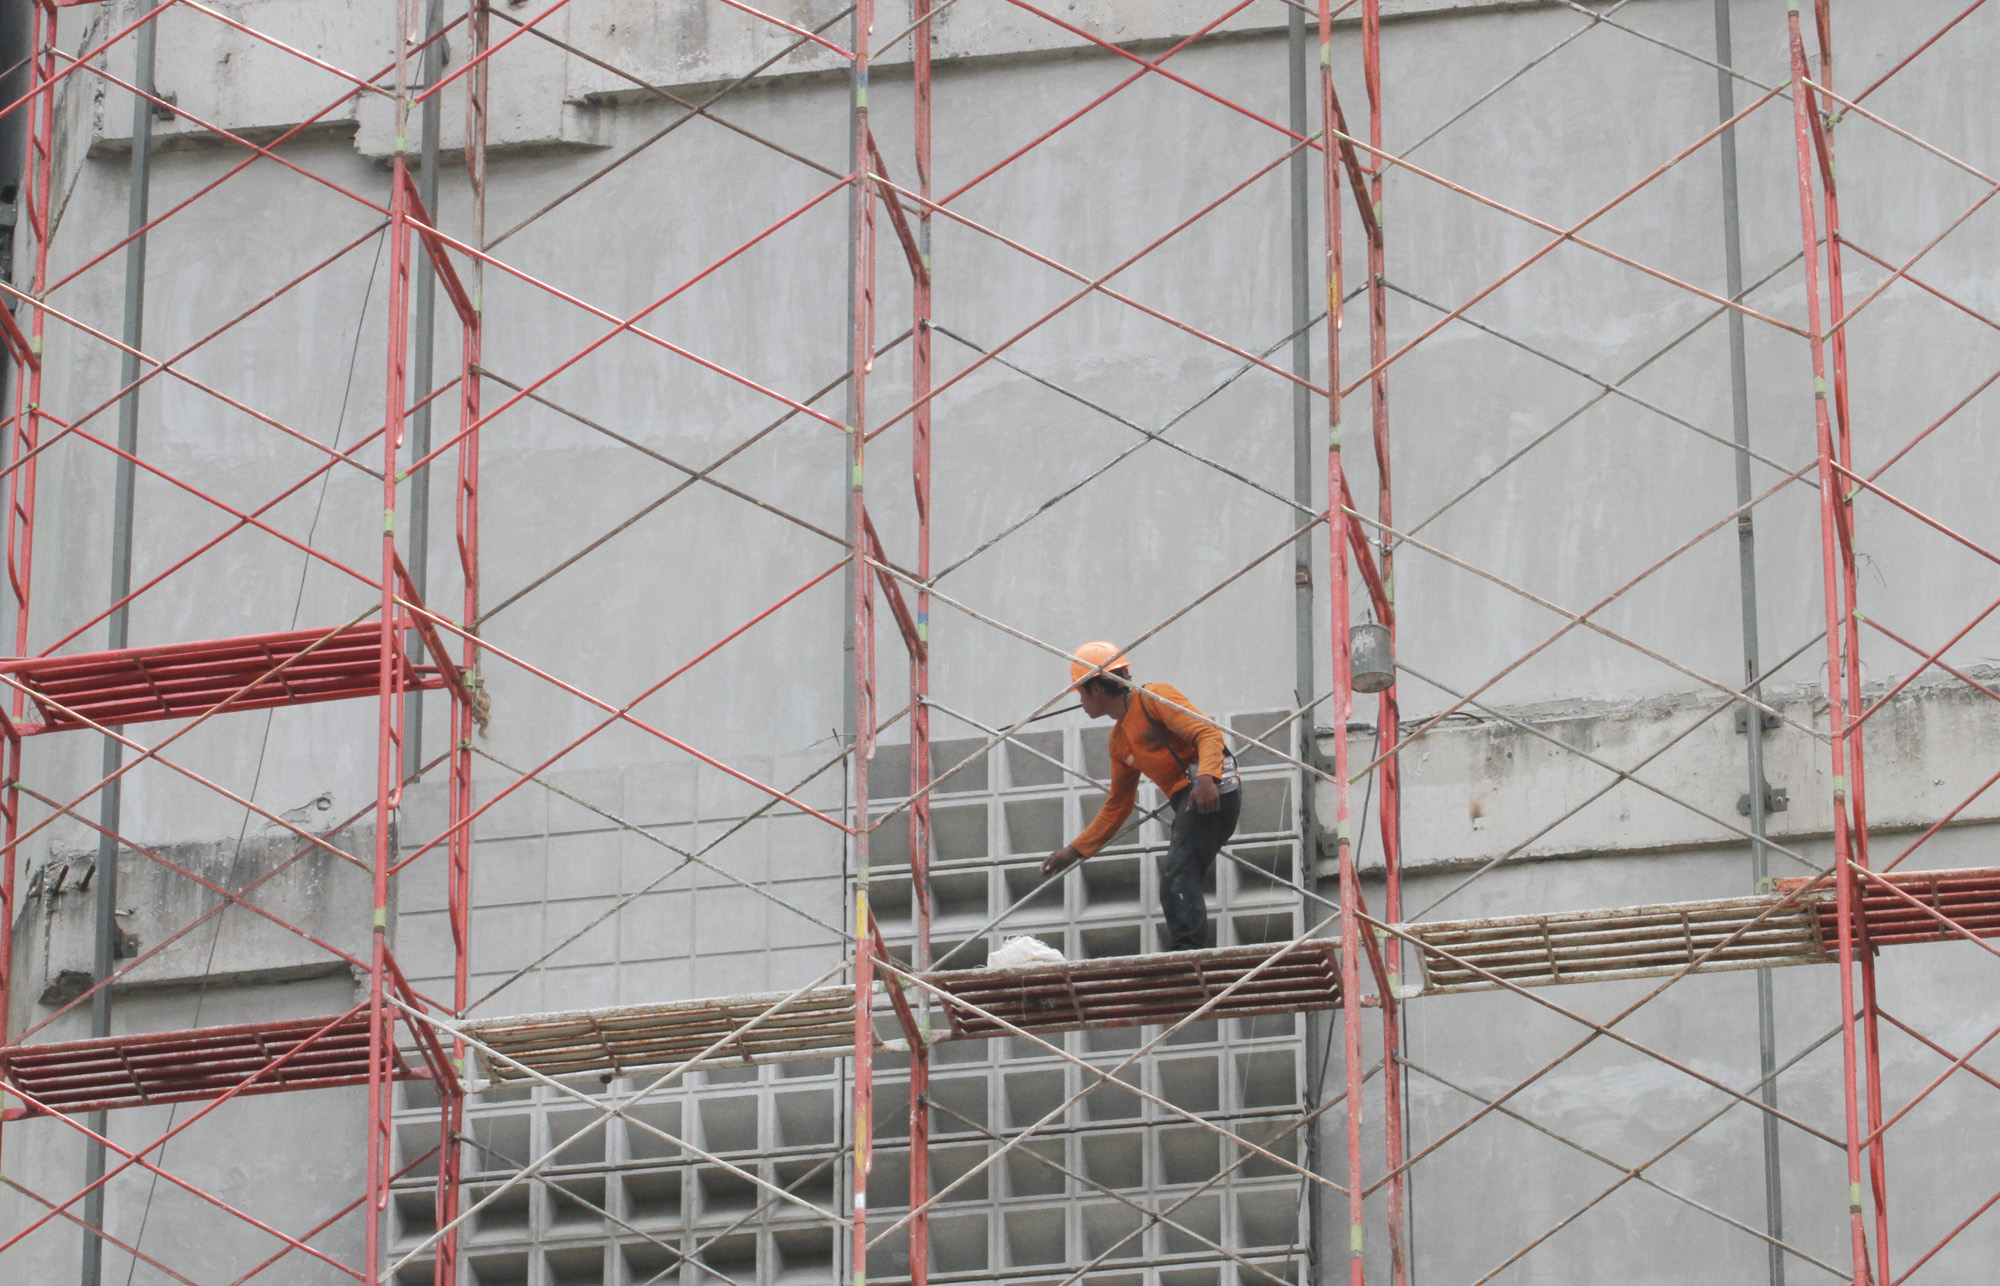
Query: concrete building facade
column 1567, row 535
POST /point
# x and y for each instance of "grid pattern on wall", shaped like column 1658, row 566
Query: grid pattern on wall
column 603, row 853
column 623, row 1207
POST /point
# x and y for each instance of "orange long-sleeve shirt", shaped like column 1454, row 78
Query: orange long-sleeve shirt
column 1159, row 746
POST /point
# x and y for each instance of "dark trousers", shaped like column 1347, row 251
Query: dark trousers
column 1192, row 844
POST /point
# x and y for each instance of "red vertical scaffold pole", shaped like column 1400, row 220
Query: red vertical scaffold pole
column 466, row 508
column 1850, row 677
column 26, row 432
column 1343, row 678
column 1836, row 558
column 388, row 750
column 861, row 583
column 1387, row 710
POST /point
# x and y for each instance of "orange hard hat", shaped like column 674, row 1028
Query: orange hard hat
column 1091, row 656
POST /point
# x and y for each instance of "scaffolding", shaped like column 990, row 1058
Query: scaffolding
column 1354, row 961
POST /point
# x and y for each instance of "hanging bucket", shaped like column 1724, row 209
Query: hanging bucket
column 1374, row 665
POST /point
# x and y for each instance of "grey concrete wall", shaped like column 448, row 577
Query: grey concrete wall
column 1483, row 1196
column 1624, row 478
column 293, row 1161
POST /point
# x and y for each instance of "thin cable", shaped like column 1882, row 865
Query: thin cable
column 1668, row 45
column 1523, row 70
column 264, row 745
column 1636, row 1172
column 677, row 489
column 671, row 97
column 641, row 146
column 557, row 1186
column 1150, row 436
column 1595, row 398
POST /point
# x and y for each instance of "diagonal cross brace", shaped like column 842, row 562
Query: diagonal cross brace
column 913, row 634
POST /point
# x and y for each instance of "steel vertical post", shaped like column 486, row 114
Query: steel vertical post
column 920, row 663
column 861, row 588
column 106, row 938
column 424, row 335
column 1343, row 677
column 1304, row 657
column 1753, row 666
column 1837, row 609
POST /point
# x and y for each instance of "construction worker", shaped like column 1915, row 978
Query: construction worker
column 1159, row 732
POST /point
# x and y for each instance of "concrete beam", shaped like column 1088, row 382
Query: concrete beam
column 546, row 100
column 236, row 948
column 1477, row 787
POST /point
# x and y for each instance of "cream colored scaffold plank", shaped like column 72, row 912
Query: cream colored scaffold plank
column 1127, row 991
column 624, row 1039
column 1791, row 927
column 819, row 1023
column 1617, row 942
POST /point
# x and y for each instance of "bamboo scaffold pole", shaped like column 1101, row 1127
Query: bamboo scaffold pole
column 1343, row 679
column 1387, row 709
column 919, row 648
column 861, row 622
column 1836, row 556
column 1849, row 676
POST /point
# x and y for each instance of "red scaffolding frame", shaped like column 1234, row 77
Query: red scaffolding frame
column 1845, row 914
column 368, row 657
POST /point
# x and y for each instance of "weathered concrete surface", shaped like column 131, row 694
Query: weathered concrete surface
column 256, row 87
column 1542, row 783
column 1491, row 1189
column 232, row 948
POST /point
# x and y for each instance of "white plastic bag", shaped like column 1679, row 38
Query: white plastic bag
column 1024, row 950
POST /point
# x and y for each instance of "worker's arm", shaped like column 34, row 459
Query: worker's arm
column 1111, row 815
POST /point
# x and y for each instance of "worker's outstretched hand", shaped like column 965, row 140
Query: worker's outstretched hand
column 1061, row 860
column 1207, row 795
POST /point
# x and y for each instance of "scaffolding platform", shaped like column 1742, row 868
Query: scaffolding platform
column 1127, row 991
column 1716, row 935
column 1617, row 942
column 774, row 1027
column 1120, row 991
column 187, row 680
column 1969, row 898
column 185, row 1066
column 1761, row 932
